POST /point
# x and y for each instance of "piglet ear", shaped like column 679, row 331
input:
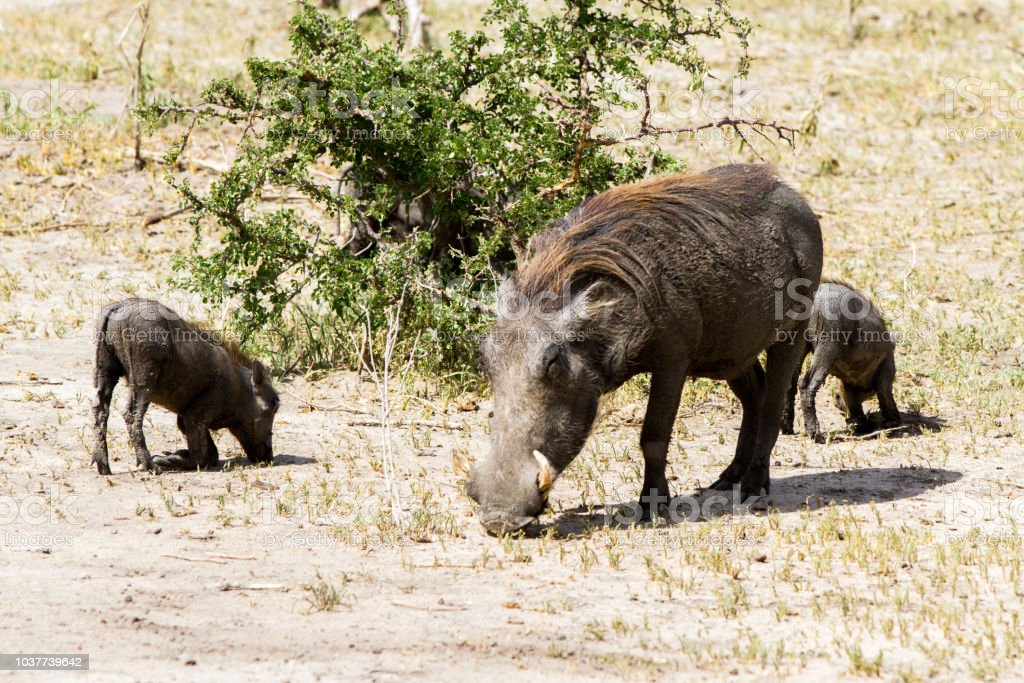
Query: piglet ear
column 259, row 373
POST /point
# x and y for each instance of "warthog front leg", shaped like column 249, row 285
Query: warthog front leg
column 749, row 389
column 824, row 356
column 201, row 453
column 851, row 399
column 662, row 406
column 884, row 378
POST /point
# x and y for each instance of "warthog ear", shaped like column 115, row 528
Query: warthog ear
column 259, row 374
column 589, row 305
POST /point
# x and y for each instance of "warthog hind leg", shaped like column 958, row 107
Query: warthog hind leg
column 134, row 414
column 782, row 361
column 105, row 383
column 749, row 389
column 824, row 357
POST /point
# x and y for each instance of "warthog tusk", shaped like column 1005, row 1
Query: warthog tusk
column 547, row 474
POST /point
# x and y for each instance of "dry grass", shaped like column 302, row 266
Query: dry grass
column 898, row 557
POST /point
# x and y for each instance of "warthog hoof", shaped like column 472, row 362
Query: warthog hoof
column 723, row 485
column 755, row 501
column 786, row 426
column 102, row 466
column 647, row 514
column 860, row 425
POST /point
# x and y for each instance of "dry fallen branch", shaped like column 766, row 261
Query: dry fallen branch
column 232, row 586
column 436, row 424
column 432, row 608
column 155, row 218
column 158, row 157
column 32, row 229
column 211, row 560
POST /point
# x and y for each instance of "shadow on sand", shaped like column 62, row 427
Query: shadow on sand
column 179, row 461
column 789, row 494
column 241, row 462
column 913, row 424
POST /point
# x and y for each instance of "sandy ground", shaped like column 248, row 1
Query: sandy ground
column 897, row 557
column 200, row 575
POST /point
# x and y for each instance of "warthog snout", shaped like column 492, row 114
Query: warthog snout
column 516, row 507
column 262, row 453
column 500, row 522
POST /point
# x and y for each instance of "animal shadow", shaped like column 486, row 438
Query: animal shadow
column 179, row 461
column 789, row 494
column 912, row 424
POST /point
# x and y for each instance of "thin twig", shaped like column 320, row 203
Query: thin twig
column 232, row 586
column 155, row 218
column 315, row 406
column 211, row 560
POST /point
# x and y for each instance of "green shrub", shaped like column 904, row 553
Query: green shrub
column 425, row 175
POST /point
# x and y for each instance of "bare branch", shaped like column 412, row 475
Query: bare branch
column 785, row 133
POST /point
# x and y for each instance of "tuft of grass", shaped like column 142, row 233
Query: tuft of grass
column 322, row 595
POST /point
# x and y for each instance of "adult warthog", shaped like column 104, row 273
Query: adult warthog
column 678, row 276
column 206, row 381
